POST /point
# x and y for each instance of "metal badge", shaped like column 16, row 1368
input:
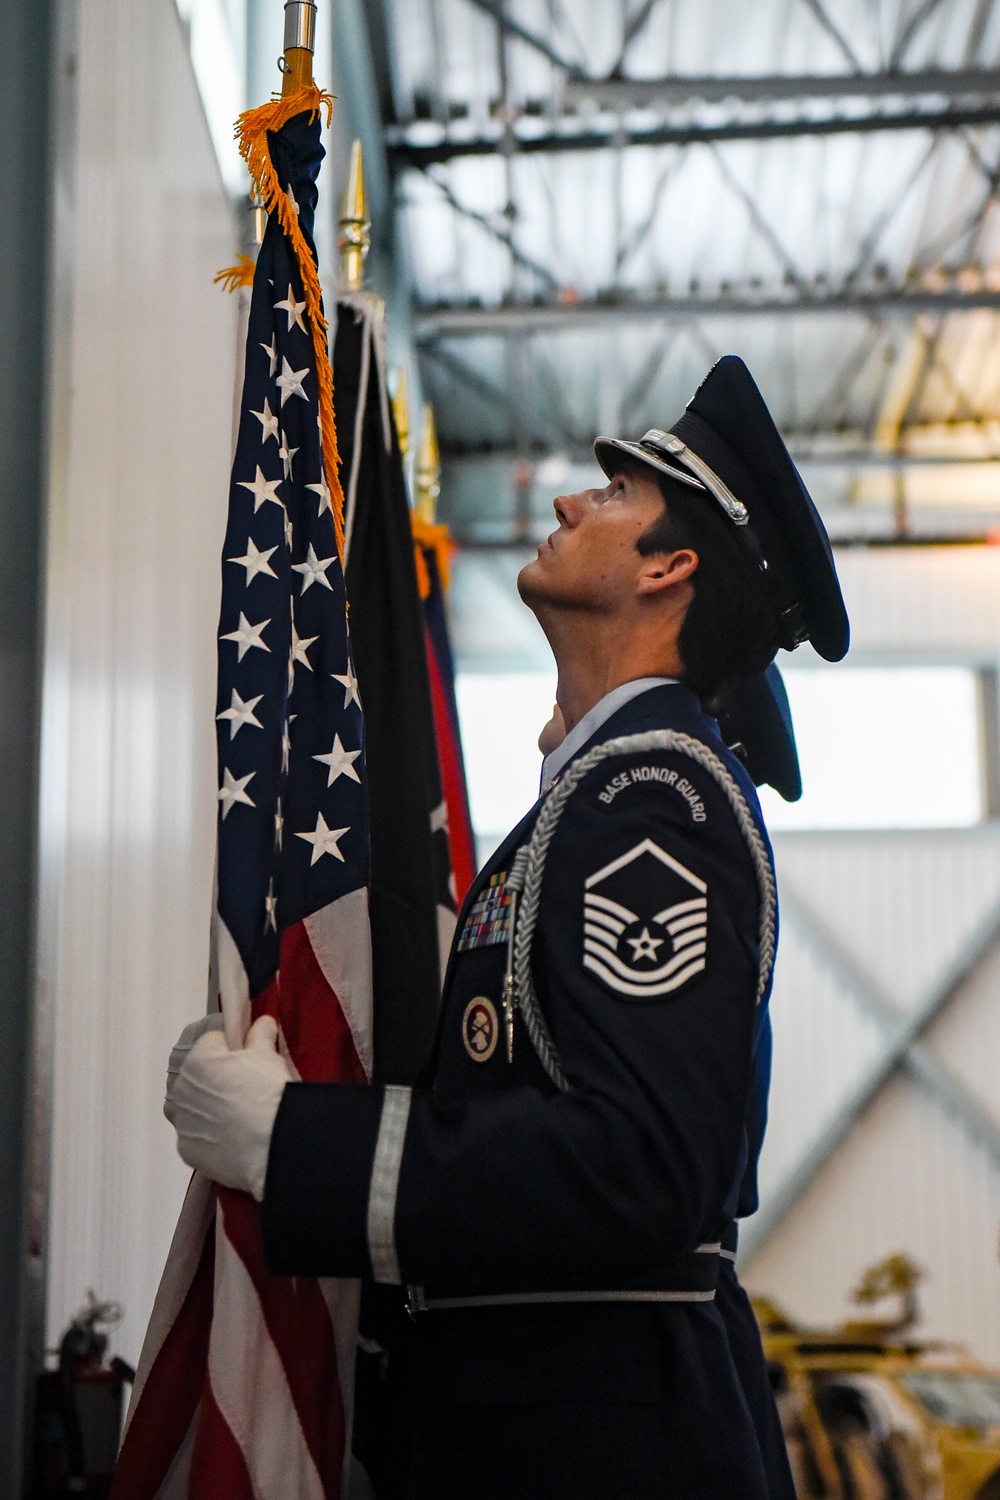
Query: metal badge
column 480, row 1029
column 667, row 442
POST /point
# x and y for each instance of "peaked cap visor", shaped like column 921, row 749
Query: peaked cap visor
column 755, row 715
column 605, row 448
column 727, row 445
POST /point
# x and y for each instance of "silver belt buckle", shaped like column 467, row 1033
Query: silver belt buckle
column 415, row 1301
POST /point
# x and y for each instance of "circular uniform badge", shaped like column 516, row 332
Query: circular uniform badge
column 480, row 1029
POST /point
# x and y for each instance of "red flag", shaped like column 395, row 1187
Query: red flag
column 433, row 550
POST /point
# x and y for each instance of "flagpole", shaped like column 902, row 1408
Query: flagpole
column 299, row 44
column 355, row 226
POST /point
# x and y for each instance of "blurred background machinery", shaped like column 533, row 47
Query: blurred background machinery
column 872, row 1411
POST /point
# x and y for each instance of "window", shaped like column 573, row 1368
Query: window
column 884, row 747
column 217, row 42
column 880, row 747
column 501, row 715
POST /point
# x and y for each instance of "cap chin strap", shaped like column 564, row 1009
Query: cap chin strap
column 667, row 442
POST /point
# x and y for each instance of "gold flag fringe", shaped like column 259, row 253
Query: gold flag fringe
column 436, row 539
column 231, row 278
column 251, row 135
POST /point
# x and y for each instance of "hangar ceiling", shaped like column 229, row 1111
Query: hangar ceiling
column 597, row 198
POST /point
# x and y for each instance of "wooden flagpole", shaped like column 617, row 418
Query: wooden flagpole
column 299, row 44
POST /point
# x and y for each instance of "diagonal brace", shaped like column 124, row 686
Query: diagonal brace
column 903, row 1048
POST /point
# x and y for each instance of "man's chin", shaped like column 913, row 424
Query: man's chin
column 530, row 584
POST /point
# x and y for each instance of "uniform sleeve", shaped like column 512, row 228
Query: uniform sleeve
column 645, row 962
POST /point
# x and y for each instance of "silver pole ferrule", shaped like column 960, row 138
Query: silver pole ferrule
column 300, row 25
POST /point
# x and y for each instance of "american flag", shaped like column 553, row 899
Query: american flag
column 244, row 1385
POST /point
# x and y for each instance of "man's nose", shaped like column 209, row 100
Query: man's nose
column 570, row 508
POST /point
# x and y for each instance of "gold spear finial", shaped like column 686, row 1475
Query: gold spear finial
column 401, row 413
column 428, row 472
column 355, row 226
column 299, row 44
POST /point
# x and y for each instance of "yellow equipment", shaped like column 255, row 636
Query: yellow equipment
column 871, row 1413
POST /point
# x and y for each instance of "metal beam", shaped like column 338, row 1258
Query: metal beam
column 828, row 24
column 514, row 28
column 379, row 30
column 911, row 29
column 524, row 319
column 408, row 146
column 500, row 228
column 807, row 457
column 659, row 93
column 919, row 1060
column 907, row 1030
column 30, row 82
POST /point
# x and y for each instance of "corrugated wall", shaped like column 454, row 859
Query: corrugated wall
column 876, row 928
column 146, row 356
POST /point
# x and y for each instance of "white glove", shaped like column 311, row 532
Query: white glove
column 223, row 1106
column 183, row 1045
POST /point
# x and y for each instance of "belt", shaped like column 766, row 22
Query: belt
column 698, row 1272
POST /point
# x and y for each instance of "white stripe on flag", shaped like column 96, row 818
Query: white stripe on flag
column 343, row 1301
column 182, row 1262
column 447, row 922
column 340, row 936
column 250, row 1388
column 234, row 987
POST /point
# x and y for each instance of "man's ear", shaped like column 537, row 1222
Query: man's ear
column 666, row 570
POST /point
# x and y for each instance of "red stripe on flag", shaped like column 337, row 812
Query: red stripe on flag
column 175, row 1384
column 460, row 839
column 298, row 1321
column 218, row 1468
column 318, row 1037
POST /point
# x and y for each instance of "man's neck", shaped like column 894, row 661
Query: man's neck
column 591, row 663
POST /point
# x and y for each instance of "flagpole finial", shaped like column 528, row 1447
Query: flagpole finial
column 428, row 471
column 355, row 226
column 299, row 45
column 401, row 412
column 258, row 218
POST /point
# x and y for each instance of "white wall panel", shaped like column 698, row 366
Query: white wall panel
column 934, row 599
column 136, row 530
column 821, row 1046
column 967, row 1036
column 901, row 903
column 900, row 907
column 907, row 1178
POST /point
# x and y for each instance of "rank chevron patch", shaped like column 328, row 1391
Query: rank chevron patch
column 645, row 923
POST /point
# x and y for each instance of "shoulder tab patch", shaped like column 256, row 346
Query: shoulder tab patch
column 643, row 774
column 645, row 923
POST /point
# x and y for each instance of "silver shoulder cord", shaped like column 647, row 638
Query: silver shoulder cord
column 525, row 881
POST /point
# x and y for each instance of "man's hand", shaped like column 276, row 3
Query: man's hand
column 183, row 1045
column 223, row 1105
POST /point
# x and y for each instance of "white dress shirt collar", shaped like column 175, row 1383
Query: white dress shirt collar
column 592, row 721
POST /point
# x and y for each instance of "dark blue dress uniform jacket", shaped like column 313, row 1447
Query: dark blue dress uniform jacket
column 645, row 960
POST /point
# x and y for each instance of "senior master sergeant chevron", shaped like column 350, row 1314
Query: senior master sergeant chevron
column 559, row 1192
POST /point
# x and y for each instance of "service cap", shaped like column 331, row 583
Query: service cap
column 727, row 446
column 756, row 721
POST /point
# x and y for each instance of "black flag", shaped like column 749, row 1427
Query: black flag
column 409, row 852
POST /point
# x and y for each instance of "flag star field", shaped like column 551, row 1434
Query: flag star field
column 288, row 711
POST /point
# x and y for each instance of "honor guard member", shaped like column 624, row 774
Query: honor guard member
column 559, row 1192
